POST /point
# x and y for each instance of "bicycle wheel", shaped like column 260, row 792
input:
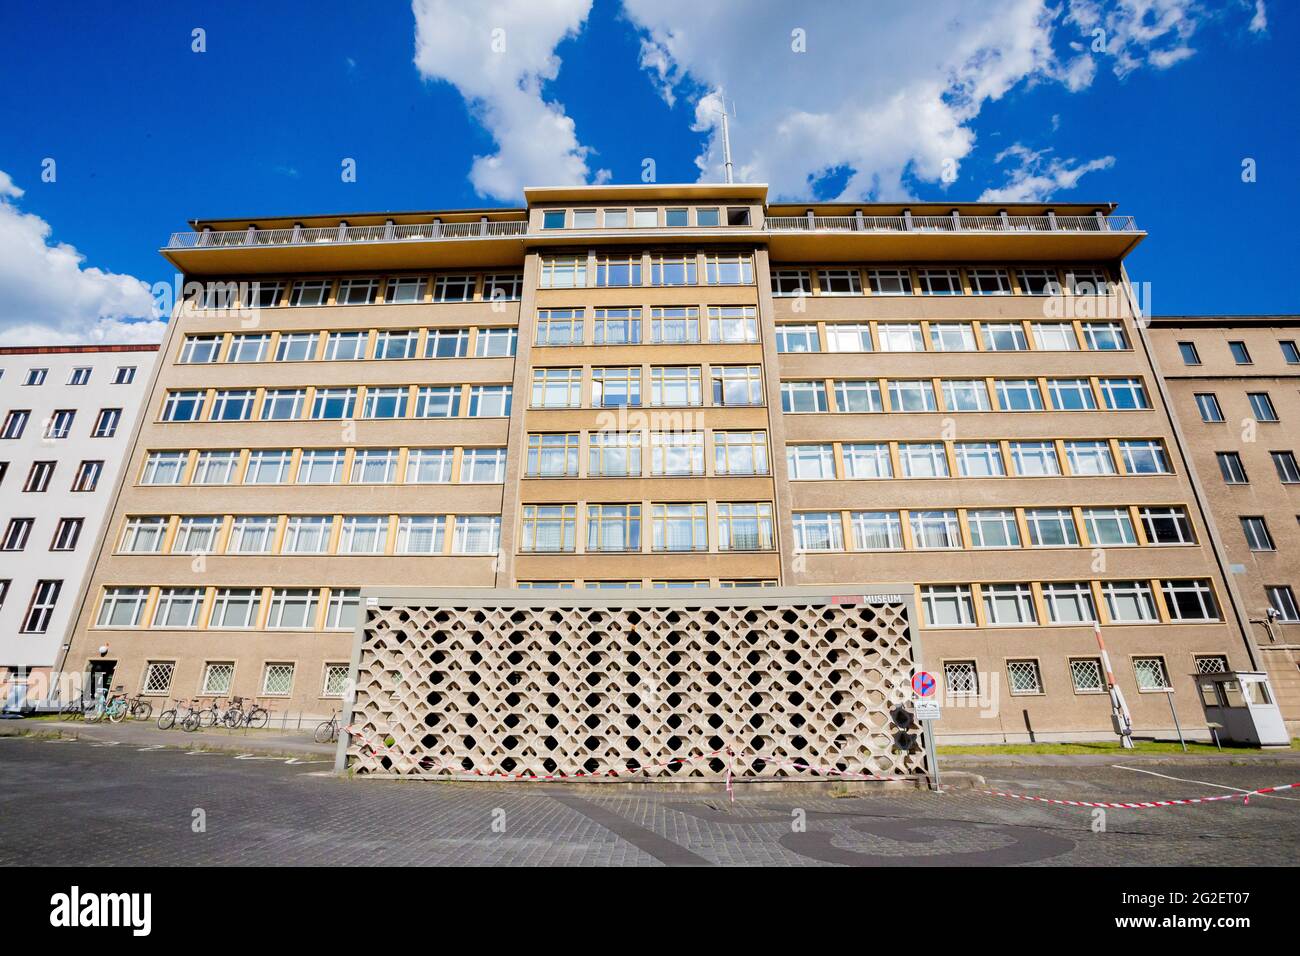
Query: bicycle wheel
column 72, row 710
column 191, row 722
column 167, row 719
column 232, row 719
column 141, row 710
column 208, row 717
column 258, row 717
column 117, row 712
column 325, row 732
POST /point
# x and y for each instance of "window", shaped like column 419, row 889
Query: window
column 476, row 535
column 900, row 337
column 745, row 526
column 283, row 404
column 158, row 677
column 235, row 608
column 732, row 323
column 1023, row 678
column 364, row 534
column 184, row 406
column 343, row 609
column 557, row 387
column 618, row 270
column 993, row 528
column 1207, row 403
column 1009, row 605
column 124, row 375
column 616, row 387
column 1231, row 468
column 679, row 527
column 818, row 531
column 36, row 376
column 196, row 534
column 1129, row 602
column 922, row 460
column 296, row 347
column 307, row 292
column 503, row 286
column 939, row 281
column 248, row 348
column 613, row 454
column 1281, row 598
column 1088, row 282
column 947, row 605
column 912, row 395
column 1071, row 394
column 15, row 422
column 563, row 272
column 645, row 218
column 1105, row 336
column 217, row 678
column 553, row 219
column 867, row 460
column 421, row 534
column 804, row 396
column 844, row 337
column 277, row 680
column 862, row 395
column 707, row 216
column 961, row 679
column 106, row 423
column 321, row 466
column 1109, row 527
column 810, row 462
column 483, row 466
column 164, row 467
column 1290, row 353
column 979, row 459
column 346, row 346
column 38, row 478
column 252, row 534
column 876, row 530
column 405, row 289
column 965, row 395
column 1089, row 458
column 737, row 215
column 307, row 534
column 677, row 453
column 1189, row 353
column 200, row 349
column 1150, row 674
column 1069, row 602
column 952, row 337
column 374, row 466
column 1261, row 406
column 16, row 534
column 1085, row 675
column 144, row 535
column 66, row 534
column 87, row 475
column 335, row 681
column 396, row 344
column 552, row 456
column 736, row 385
column 233, row 405
column 1004, row 337
column 1255, row 528
column 178, row 607
column 1166, row 525
column 675, row 385
column 292, row 608
column 890, row 281
column 59, row 425
column 334, row 404
column 840, row 281
column 1288, row 471
column 736, row 269
column 616, row 327
column 1051, row 527
column 437, row 401
column 1019, row 395
column 122, row 607
column 935, row 530
column 788, row 282
column 384, row 402
column 671, row 269
column 41, row 609
column 268, row 466
column 559, row 327
column 799, row 338
column 550, row 528
column 1034, row 459
column 1039, row 281
column 1124, row 393
column 1240, row 354
column 454, row 288
column 613, row 527
column 675, row 326
column 1144, row 457
column 989, row 281
column 676, row 218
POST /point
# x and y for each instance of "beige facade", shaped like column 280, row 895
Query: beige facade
column 704, row 390
column 1234, row 385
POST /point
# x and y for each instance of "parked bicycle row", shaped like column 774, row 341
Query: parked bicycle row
column 189, row 715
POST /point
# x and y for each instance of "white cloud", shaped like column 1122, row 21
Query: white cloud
column 498, row 54
column 1259, row 21
column 1038, row 176
column 49, row 297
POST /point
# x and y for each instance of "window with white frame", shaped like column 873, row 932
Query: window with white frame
column 1089, row 458
column 307, row 534
column 1088, row 282
column 552, row 455
column 933, row 530
column 396, row 344
column 454, row 288
column 364, row 534
column 1085, row 675
column 1129, row 602
column 1166, row 525
column 797, row 338
column 1150, row 674
column 965, row 395
column 922, row 460
column 200, row 349
column 503, row 286
column 477, row 534
column 217, row 678
column 1190, row 600
column 196, row 534
column 867, row 460
column 810, row 462
column 489, row 401
column 158, row 678
column 437, row 401
column 840, row 281
column 989, row 281
column 184, row 406
column 947, row 605
column 483, row 466
column 252, row 534
column 343, row 609
column 144, row 535
column 235, row 608
column 1051, row 528
column 1124, row 394
column 979, row 459
column 1211, row 663
column 1144, row 457
column 890, row 281
column 1071, row 394
column 1019, row 395
column 613, row 454
column 993, row 528
column 268, row 466
column 900, row 337
column 952, row 337
column 1030, row 459
column 1009, row 605
column 357, row 292
column 346, row 346
column 804, row 396
column 848, row 337
column 1039, row 281
column 496, row 342
column 292, row 609
column 333, row 404
column 818, row 531
column 675, row 386
column 1281, row 598
column 277, row 680
column 403, row 290
column 251, row 347
column 1069, row 602
column 178, row 607
column 677, row 453
column 1109, row 527
column 960, row 679
column 122, row 607
column 740, row 453
column 233, row 404
column 787, row 282
column 1004, row 337
column 876, row 530
column 912, row 395
column 857, row 395
column 321, row 466
column 446, row 343
column 939, row 281
column 421, row 534
column 283, row 404
column 1023, row 678
column 1055, row 337
column 733, row 324
column 1105, row 336
column 335, row 681
column 296, row 347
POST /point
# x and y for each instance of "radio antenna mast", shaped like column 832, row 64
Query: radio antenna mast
column 727, row 165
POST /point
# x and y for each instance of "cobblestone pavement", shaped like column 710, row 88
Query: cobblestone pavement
column 90, row 803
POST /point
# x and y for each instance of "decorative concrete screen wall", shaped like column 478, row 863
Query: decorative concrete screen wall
column 764, row 683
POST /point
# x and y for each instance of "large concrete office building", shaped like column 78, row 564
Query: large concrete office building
column 1234, row 385
column 66, row 419
column 668, row 387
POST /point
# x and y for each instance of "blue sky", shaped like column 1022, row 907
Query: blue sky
column 146, row 132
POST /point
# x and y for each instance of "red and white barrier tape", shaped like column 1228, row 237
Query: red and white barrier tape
column 1143, row 804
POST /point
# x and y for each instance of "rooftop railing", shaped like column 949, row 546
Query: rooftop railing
column 955, row 223
column 343, row 234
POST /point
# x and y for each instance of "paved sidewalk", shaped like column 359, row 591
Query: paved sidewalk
column 1259, row 758
column 146, row 734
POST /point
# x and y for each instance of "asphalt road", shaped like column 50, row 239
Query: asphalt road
column 83, row 802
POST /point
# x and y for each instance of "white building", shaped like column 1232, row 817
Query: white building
column 66, row 419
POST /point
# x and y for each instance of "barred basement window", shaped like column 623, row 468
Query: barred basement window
column 961, row 679
column 1211, row 663
column 217, row 678
column 336, row 680
column 1085, row 674
column 277, row 680
column 158, row 677
column 1150, row 673
column 1024, row 677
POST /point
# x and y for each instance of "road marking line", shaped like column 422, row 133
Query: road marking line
column 1204, row 783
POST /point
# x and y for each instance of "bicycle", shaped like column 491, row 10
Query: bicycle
column 256, row 716
column 172, row 715
column 75, row 709
column 327, row 731
column 138, row 708
column 113, row 708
